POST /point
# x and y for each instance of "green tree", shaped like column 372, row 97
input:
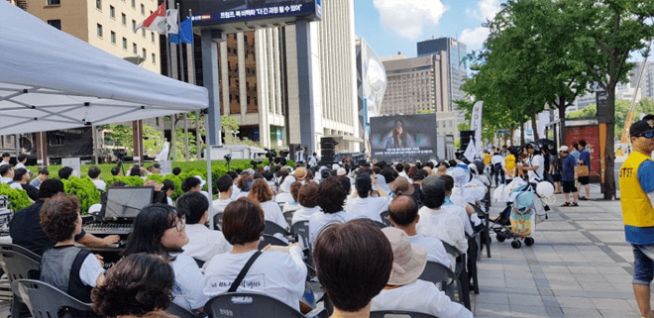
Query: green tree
column 605, row 32
column 645, row 106
column 230, row 127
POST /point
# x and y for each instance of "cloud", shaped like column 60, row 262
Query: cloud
column 408, row 17
column 486, row 10
column 474, row 38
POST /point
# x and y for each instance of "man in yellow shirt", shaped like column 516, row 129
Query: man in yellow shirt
column 636, row 195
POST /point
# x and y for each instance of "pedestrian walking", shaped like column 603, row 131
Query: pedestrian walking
column 497, row 162
column 584, row 160
column 636, row 194
column 568, row 177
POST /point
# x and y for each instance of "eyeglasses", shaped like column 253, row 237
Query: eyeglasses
column 648, row 135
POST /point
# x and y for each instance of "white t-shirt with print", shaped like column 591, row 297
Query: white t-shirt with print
column 278, row 275
column 188, row 283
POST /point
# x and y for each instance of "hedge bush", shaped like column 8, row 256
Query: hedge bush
column 18, row 199
column 84, row 190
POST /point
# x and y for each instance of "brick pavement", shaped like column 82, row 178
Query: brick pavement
column 580, row 266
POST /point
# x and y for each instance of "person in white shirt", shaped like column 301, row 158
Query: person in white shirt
column 5, row 159
column 406, row 291
column 243, row 185
column 437, row 222
column 535, row 164
column 262, row 193
column 42, row 176
column 203, row 243
column 285, row 190
column 403, row 214
column 6, row 174
column 313, row 160
column 400, row 171
column 497, row 162
column 169, row 189
column 224, row 184
column 331, row 200
column 21, row 161
column 194, row 184
column 94, row 174
column 159, row 230
column 291, row 206
column 308, row 200
column 362, row 204
column 278, row 272
column 21, row 176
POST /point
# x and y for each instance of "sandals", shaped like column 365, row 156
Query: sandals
column 575, row 204
column 566, row 204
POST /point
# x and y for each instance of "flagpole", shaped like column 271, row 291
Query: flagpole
column 190, row 58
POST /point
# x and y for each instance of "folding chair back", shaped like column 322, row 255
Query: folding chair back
column 269, row 239
column 300, row 230
column 440, row 275
column 399, row 314
column 245, row 305
column 218, row 221
column 384, row 216
column 380, row 224
column 273, row 228
column 485, row 235
column 19, row 262
column 288, row 215
column 47, row 301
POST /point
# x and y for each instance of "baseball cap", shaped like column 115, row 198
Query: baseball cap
column 642, row 127
column 564, row 149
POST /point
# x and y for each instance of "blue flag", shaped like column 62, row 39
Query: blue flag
column 185, row 33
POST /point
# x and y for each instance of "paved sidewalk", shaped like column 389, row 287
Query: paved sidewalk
column 580, row 266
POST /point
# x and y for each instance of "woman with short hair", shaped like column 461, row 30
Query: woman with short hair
column 140, row 285
column 279, row 274
column 159, row 230
column 308, row 200
column 353, row 262
column 331, row 201
column 261, row 192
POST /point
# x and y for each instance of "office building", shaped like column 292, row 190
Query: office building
column 453, row 53
column 647, row 81
column 105, row 24
column 259, row 81
column 419, row 85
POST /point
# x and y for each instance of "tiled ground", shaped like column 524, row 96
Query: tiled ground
column 580, row 266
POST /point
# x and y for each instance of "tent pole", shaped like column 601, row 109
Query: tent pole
column 209, row 178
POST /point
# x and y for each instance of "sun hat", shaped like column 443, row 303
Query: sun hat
column 286, row 185
column 341, row 172
column 300, row 173
column 401, row 186
column 409, row 261
column 202, row 182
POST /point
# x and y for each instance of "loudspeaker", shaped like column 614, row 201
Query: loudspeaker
column 466, row 135
column 327, row 145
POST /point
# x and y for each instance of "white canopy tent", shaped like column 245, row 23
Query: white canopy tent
column 50, row 80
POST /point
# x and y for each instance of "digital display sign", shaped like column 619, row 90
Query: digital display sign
column 403, row 138
column 245, row 14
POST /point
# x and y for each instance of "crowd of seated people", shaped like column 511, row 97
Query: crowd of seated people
column 360, row 267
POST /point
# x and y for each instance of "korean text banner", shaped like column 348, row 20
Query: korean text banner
column 403, row 138
column 216, row 12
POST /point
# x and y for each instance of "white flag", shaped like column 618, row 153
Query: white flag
column 475, row 123
column 172, row 22
column 471, row 151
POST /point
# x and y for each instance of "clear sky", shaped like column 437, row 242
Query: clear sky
column 392, row 26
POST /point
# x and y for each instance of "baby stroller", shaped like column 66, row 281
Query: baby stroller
column 528, row 207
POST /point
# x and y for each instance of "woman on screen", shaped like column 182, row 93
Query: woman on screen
column 398, row 137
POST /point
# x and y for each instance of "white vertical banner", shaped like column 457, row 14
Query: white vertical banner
column 475, row 123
